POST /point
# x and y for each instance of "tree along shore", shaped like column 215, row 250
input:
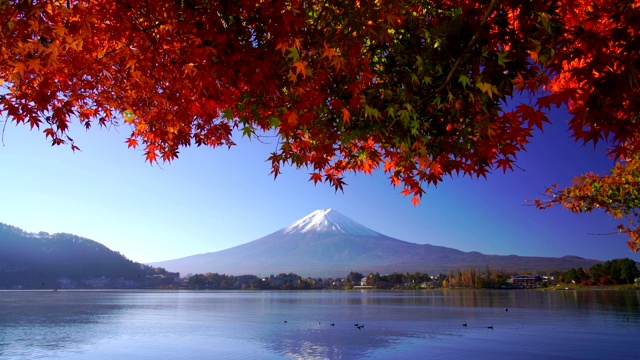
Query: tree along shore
column 615, row 274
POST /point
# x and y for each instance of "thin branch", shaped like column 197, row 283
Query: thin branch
column 10, row 17
column 519, row 167
column 108, row 53
column 260, row 137
column 471, row 42
column 324, row 4
column 3, row 129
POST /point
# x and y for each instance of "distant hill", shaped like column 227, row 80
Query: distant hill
column 327, row 243
column 44, row 261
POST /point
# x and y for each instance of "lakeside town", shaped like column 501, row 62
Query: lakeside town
column 614, row 272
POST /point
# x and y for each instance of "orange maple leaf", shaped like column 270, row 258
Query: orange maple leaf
column 292, row 118
column 132, row 143
column 300, row 68
column 346, row 116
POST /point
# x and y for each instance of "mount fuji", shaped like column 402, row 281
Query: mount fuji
column 327, row 243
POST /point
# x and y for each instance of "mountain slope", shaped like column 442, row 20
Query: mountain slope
column 327, row 243
column 41, row 260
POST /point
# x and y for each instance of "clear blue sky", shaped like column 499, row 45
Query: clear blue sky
column 210, row 200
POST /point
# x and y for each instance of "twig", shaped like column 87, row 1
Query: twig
column 324, row 4
column 3, row 129
column 10, row 17
column 108, row 53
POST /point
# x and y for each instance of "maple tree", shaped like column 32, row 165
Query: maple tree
column 617, row 193
column 596, row 75
column 416, row 88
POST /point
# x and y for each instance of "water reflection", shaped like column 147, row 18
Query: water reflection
column 235, row 325
column 34, row 323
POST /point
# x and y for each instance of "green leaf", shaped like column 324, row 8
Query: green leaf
column 391, row 111
column 464, row 81
column 274, row 121
column 414, row 79
column 248, row 131
column 371, row 112
column 227, row 114
column 294, row 55
column 502, row 58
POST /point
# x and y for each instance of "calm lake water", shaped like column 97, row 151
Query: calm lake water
column 251, row 325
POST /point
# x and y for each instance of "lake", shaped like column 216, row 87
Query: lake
column 527, row 324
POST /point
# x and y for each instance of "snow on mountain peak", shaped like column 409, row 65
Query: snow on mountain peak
column 329, row 220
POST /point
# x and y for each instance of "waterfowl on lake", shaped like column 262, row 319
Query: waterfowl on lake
column 465, row 324
column 490, row 327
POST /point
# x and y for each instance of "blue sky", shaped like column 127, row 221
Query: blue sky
column 214, row 199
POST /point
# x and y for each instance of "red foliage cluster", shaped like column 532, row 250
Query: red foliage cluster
column 415, row 88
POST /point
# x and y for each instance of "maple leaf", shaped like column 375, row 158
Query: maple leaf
column 487, row 88
column 300, row 68
column 339, row 62
column 282, row 46
column 49, row 132
column 519, row 83
column 292, row 118
column 435, row 168
column 19, row 69
column 346, row 116
column 315, row 177
column 150, row 154
column 536, row 118
column 329, row 52
column 132, row 143
column 415, row 201
column 464, row 81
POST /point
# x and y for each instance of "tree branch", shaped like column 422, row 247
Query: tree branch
column 111, row 52
column 324, row 4
column 4, row 127
column 14, row 12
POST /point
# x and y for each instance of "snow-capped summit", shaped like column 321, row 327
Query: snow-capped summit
column 329, row 221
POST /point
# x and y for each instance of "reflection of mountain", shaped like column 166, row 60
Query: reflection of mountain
column 327, row 243
column 64, row 260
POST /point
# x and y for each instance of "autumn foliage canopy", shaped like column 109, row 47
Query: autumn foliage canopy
column 420, row 89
